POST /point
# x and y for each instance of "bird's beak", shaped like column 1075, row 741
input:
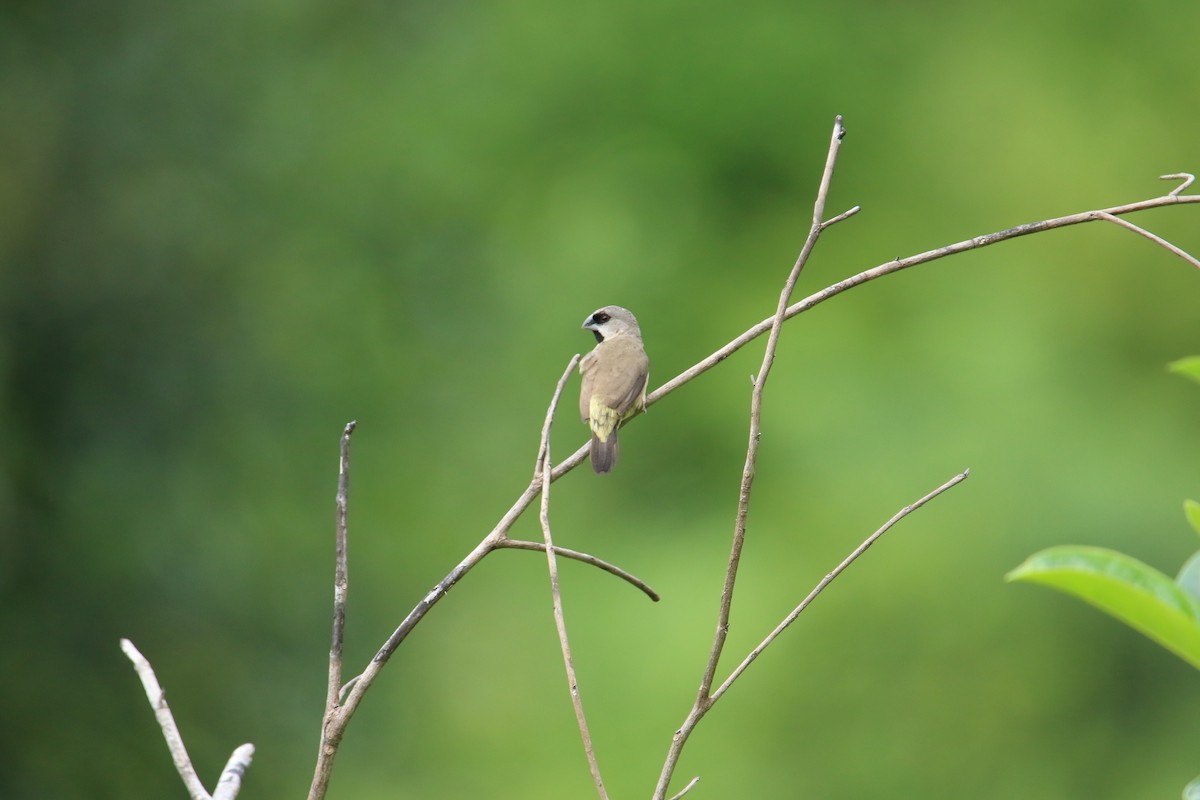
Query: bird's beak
column 589, row 324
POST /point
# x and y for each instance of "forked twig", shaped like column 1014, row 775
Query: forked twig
column 230, row 781
column 829, row 578
column 700, row 709
column 544, row 467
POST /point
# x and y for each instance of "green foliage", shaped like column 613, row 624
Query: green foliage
column 1188, row 367
column 1133, row 592
column 1167, row 611
column 1191, row 510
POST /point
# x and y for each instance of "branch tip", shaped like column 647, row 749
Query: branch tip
column 1187, row 178
column 691, row 785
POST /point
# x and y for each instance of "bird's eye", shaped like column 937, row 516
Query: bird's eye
column 600, row 317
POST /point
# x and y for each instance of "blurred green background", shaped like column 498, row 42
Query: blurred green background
column 226, row 229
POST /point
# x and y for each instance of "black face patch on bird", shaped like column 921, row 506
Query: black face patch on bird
column 597, row 319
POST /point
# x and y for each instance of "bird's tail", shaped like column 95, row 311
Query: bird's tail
column 604, row 454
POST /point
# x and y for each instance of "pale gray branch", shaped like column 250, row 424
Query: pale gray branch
column 230, row 780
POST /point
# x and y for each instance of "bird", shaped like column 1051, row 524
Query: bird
column 614, row 376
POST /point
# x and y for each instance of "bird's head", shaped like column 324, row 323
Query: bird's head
column 610, row 322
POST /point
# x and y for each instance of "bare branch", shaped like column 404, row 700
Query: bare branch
column 703, row 701
column 238, row 762
column 498, row 536
column 332, row 722
column 560, row 622
column 829, row 578
column 521, row 544
column 1158, row 240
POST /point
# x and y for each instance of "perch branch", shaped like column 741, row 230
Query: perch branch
column 703, row 700
column 887, row 268
column 239, row 762
column 545, row 466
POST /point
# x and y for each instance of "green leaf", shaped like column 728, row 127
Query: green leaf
column 1189, row 576
column 1188, row 367
column 1123, row 587
column 1191, row 510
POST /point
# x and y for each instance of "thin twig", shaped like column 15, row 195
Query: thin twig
column 560, row 621
column 691, row 784
column 703, row 701
column 1158, row 240
column 521, row 544
column 829, row 578
column 238, row 762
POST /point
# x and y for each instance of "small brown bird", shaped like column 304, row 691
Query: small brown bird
column 614, row 380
